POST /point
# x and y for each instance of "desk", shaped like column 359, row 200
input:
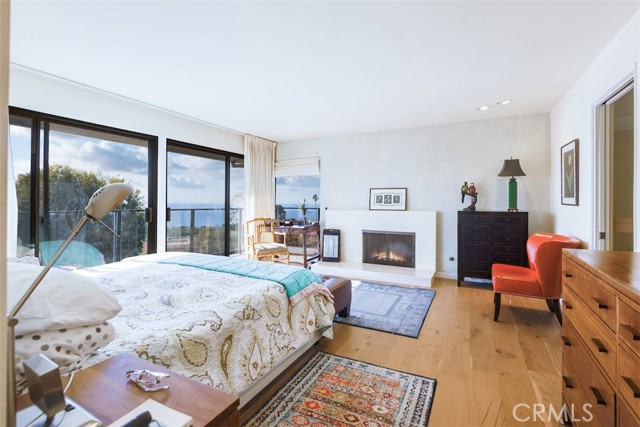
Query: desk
column 103, row 390
column 304, row 230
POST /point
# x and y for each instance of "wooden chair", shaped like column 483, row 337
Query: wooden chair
column 543, row 278
column 262, row 243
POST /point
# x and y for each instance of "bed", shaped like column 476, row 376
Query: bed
column 214, row 319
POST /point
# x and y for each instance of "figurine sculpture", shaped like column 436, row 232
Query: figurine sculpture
column 472, row 193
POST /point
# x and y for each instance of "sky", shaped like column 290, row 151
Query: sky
column 191, row 180
column 292, row 190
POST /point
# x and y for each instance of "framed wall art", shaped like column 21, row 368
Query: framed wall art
column 569, row 171
column 388, row 199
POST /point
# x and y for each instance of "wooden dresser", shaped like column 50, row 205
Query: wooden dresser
column 488, row 237
column 601, row 337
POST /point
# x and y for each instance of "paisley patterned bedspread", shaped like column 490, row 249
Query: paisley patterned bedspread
column 224, row 330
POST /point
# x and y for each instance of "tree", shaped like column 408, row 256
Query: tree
column 69, row 192
column 281, row 213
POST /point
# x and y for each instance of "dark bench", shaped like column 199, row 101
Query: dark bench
column 341, row 290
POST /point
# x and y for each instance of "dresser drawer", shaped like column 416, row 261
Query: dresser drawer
column 476, row 248
column 508, row 250
column 476, row 228
column 476, row 238
column 584, row 383
column 629, row 379
column 507, row 229
column 505, row 239
column 593, row 293
column 599, row 339
column 508, row 219
column 474, row 218
column 572, row 275
column 481, row 269
column 471, row 257
column 626, row 417
column 629, row 327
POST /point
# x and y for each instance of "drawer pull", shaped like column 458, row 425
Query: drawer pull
column 567, row 305
column 566, row 341
column 601, row 304
column 599, row 399
column 601, row 348
column 632, row 385
column 567, row 382
column 567, row 275
column 633, row 331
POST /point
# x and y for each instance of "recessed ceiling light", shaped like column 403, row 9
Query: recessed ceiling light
column 505, row 101
column 483, row 107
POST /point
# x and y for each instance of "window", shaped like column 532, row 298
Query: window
column 59, row 163
column 205, row 200
column 298, row 189
column 298, row 198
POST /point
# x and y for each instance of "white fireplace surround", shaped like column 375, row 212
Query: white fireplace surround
column 352, row 222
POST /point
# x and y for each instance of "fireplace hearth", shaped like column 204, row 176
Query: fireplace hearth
column 389, row 248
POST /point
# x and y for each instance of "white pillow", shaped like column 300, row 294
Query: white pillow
column 63, row 299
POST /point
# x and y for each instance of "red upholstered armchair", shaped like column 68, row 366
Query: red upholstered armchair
column 543, row 279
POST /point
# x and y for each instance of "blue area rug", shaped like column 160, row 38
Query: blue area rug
column 388, row 308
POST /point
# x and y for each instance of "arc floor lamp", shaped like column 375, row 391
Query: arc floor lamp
column 101, row 203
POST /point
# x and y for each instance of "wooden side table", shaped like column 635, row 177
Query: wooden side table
column 104, row 390
column 304, row 230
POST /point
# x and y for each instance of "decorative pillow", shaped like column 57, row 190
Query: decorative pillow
column 63, row 299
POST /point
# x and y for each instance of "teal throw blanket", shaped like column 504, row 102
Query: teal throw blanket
column 294, row 279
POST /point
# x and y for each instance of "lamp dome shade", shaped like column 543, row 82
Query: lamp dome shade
column 106, row 199
column 511, row 167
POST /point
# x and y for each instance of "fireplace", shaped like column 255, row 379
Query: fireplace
column 389, row 248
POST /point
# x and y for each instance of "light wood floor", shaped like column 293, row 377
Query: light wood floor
column 484, row 369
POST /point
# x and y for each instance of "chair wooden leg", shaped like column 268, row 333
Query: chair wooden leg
column 557, row 309
column 496, row 301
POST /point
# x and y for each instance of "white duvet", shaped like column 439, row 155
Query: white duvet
column 224, row 330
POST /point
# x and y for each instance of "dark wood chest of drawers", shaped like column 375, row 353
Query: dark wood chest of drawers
column 485, row 238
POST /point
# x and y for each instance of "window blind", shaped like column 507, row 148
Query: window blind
column 298, row 167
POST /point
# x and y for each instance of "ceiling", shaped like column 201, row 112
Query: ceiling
column 302, row 69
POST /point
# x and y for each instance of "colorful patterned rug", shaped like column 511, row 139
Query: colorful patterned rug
column 388, row 308
column 339, row 392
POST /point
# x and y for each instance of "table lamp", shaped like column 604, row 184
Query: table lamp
column 101, row 203
column 511, row 167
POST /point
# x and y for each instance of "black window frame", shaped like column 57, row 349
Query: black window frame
column 36, row 119
column 196, row 150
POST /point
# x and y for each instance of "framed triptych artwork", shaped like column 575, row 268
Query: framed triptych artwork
column 388, row 199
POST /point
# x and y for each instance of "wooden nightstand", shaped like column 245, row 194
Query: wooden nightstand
column 104, row 390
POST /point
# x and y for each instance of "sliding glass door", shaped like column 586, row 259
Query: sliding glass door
column 204, row 200
column 59, row 164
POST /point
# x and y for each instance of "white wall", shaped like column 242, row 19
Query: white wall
column 573, row 118
column 433, row 162
column 40, row 92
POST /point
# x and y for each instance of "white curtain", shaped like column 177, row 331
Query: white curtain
column 298, row 167
column 259, row 178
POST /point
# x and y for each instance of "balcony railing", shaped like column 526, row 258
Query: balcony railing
column 295, row 212
column 191, row 229
column 202, row 230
